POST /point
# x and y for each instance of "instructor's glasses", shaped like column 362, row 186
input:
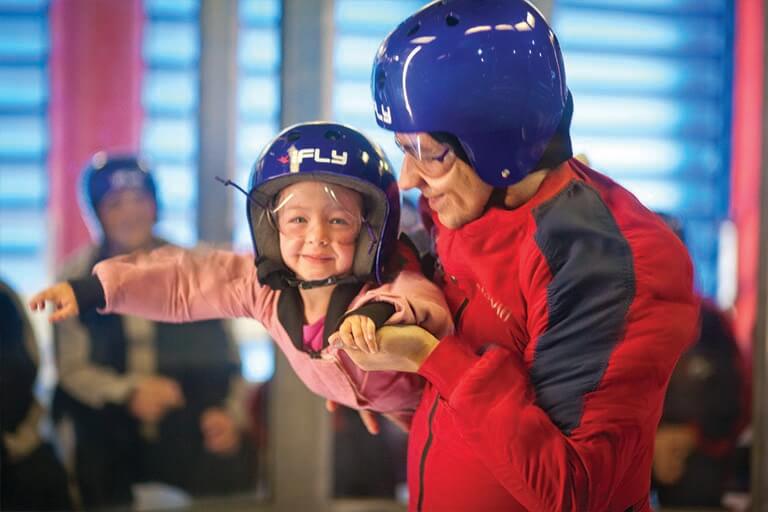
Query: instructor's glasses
column 433, row 159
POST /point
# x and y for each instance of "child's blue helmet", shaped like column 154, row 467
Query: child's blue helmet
column 336, row 154
column 488, row 72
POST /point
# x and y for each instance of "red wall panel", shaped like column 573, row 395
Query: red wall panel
column 96, row 72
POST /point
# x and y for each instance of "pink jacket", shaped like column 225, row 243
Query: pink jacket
column 170, row 284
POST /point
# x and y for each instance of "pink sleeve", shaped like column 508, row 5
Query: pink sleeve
column 171, row 284
column 417, row 301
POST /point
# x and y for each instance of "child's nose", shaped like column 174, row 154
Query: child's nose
column 318, row 233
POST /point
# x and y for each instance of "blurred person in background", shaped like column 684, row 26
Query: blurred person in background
column 149, row 401
column 705, row 409
column 31, row 475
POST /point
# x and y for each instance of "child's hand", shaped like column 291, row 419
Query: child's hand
column 368, row 418
column 63, row 298
column 358, row 332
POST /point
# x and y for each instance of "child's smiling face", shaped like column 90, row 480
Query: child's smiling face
column 319, row 224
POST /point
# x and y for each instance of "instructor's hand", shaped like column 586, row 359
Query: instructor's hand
column 63, row 298
column 401, row 348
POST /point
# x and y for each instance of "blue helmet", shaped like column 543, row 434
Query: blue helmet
column 107, row 173
column 489, row 73
column 336, row 154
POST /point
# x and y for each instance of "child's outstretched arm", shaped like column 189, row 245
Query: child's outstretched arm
column 168, row 284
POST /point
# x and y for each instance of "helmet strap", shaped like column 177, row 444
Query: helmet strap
column 318, row 283
column 558, row 149
column 276, row 276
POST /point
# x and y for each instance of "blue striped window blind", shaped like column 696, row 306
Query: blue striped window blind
column 24, row 143
column 171, row 52
column 651, row 81
column 258, row 119
column 359, row 31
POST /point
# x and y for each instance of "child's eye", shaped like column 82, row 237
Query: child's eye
column 297, row 220
column 340, row 221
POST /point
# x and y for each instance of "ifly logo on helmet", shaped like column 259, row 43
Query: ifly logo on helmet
column 386, row 114
column 297, row 156
column 126, row 178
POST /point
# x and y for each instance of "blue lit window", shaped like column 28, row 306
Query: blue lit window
column 359, row 31
column 258, row 95
column 24, row 143
column 651, row 81
column 171, row 50
column 258, row 120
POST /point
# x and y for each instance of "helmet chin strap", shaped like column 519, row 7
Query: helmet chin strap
column 318, row 283
column 277, row 277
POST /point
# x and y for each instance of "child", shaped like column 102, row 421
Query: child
column 324, row 211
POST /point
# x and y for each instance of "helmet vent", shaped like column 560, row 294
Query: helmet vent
column 414, row 29
column 293, row 136
column 332, row 135
column 451, row 20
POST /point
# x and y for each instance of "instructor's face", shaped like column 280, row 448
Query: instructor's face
column 458, row 195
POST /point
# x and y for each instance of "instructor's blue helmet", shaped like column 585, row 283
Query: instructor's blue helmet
column 488, row 72
column 335, row 154
column 106, row 173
